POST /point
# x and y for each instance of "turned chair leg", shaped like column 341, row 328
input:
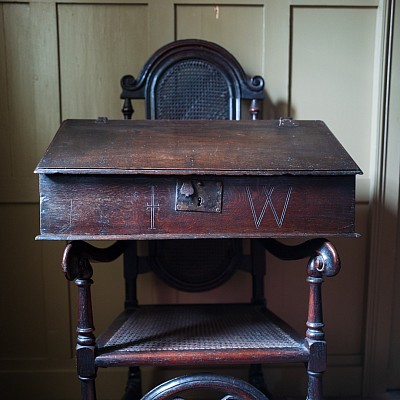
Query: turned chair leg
column 86, row 340
column 88, row 389
column 133, row 390
column 76, row 267
column 325, row 263
column 314, row 391
column 256, row 378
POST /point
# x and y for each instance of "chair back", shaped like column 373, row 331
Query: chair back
column 194, row 79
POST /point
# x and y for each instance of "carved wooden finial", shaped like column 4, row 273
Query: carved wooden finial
column 127, row 109
column 254, row 109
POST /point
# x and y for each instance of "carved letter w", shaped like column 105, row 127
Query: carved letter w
column 268, row 201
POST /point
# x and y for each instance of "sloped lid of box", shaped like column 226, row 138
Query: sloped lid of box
column 264, row 147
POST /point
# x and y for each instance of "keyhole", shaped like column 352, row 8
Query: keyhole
column 199, row 201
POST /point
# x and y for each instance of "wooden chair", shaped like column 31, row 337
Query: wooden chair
column 195, row 79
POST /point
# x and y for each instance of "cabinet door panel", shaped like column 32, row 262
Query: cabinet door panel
column 329, row 44
column 238, row 28
column 98, row 45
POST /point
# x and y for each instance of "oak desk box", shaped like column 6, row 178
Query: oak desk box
column 179, row 179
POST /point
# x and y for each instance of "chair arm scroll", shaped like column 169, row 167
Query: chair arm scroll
column 256, row 83
column 78, row 254
column 324, row 259
column 326, row 262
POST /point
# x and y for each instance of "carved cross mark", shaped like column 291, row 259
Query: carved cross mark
column 152, row 207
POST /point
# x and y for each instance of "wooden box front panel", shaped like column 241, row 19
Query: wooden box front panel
column 143, row 207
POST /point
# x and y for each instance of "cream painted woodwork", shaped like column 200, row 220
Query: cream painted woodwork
column 327, row 83
column 382, row 369
column 29, row 110
column 394, row 148
column 89, row 70
column 321, row 59
column 227, row 25
column 326, row 79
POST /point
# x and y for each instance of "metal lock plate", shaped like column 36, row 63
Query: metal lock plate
column 198, row 195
